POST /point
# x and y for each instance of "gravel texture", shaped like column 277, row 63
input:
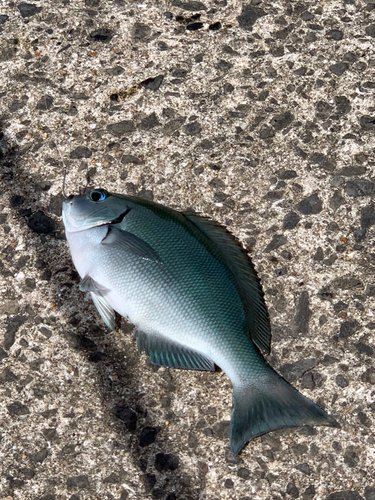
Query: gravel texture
column 258, row 114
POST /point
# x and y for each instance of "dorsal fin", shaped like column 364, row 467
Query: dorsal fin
column 245, row 278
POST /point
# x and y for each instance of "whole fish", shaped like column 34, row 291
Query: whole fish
column 194, row 297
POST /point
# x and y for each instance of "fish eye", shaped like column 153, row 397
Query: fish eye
column 98, row 195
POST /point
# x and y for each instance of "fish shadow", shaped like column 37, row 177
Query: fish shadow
column 128, row 409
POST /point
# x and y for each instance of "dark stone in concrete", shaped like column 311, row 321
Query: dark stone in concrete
column 292, row 490
column 277, row 241
column 148, row 436
column 364, row 419
column 305, row 468
column 103, row 35
column 17, row 409
column 7, row 376
column 193, row 128
column 28, row 9
column 151, row 121
column 229, row 484
column 310, row 205
column 351, row 458
column 294, row 371
column 45, row 103
column 266, row 133
column 323, row 161
column 339, row 68
column 335, row 35
column 308, row 381
column 153, row 83
column 291, row 220
column 13, row 325
column 81, row 342
column 303, row 314
column 368, row 216
column 248, row 17
column 343, row 105
column 194, row 26
column 347, row 283
column 367, row 122
column 140, row 32
column 40, row 223
column 282, row 120
column 81, row 152
column 243, row 473
column 359, row 187
column 336, row 201
column 369, row 376
column 126, row 159
column 121, row 128
column 319, row 255
column 192, row 6
column 166, row 461
column 281, row 271
column 149, row 480
column 215, row 26
column 81, row 482
column 349, row 328
column 127, row 415
column 370, row 493
column 309, row 493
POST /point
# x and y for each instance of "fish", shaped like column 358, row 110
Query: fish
column 194, row 297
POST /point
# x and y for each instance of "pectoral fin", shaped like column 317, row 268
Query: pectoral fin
column 163, row 352
column 131, row 243
column 90, row 285
column 105, row 310
column 97, row 293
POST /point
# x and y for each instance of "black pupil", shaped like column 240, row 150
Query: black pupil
column 96, row 195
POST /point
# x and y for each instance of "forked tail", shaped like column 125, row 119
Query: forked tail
column 268, row 405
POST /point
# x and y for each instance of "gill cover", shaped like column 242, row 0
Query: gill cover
column 96, row 208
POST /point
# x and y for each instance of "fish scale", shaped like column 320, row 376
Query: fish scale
column 193, row 296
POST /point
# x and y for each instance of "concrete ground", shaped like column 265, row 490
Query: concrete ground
column 259, row 114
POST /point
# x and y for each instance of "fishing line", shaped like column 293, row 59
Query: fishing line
column 65, row 172
column 55, row 143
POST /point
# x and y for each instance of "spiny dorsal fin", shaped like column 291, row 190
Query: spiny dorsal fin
column 163, row 352
column 245, row 278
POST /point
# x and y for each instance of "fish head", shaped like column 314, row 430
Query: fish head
column 93, row 209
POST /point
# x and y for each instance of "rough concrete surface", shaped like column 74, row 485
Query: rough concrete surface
column 259, row 114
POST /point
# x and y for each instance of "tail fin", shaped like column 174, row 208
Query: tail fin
column 269, row 405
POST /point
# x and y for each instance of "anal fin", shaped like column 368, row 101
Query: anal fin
column 163, row 352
